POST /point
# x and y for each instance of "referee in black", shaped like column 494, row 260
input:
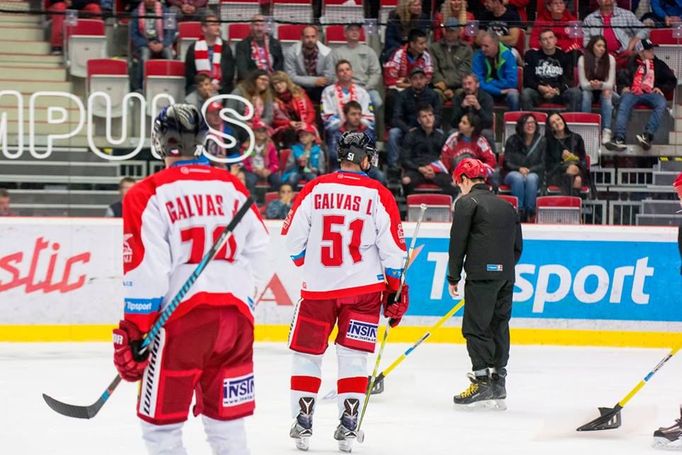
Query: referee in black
column 485, row 241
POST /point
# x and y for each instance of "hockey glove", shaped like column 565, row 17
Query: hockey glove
column 395, row 310
column 127, row 341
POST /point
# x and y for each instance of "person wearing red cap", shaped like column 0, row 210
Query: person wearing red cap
column 485, row 230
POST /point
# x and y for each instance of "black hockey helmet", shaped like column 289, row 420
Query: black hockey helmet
column 179, row 130
column 353, row 146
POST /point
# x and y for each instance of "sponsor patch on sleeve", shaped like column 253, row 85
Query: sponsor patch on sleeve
column 494, row 267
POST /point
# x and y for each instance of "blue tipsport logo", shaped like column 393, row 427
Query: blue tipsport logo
column 362, row 331
column 237, row 391
column 494, row 267
column 142, row 306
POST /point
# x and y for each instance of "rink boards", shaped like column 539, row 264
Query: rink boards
column 60, row 280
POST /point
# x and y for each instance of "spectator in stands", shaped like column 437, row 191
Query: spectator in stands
column 363, row 60
column 114, row 210
column 258, row 51
column 398, row 68
column 334, row 98
column 263, row 163
column 597, row 75
column 5, row 201
column 211, row 56
column 620, row 27
column 645, row 79
column 148, row 36
column 496, row 69
column 352, row 113
column 279, row 208
column 421, row 154
column 664, row 13
column 88, row 8
column 204, row 89
column 503, row 21
column 309, row 63
column 524, row 164
column 401, row 21
column 548, row 76
column 455, row 9
column 306, row 160
column 293, row 109
column 187, row 10
column 467, row 142
column 216, row 123
column 473, row 100
column 405, row 112
column 451, row 60
column 565, row 161
column 255, row 88
column 555, row 16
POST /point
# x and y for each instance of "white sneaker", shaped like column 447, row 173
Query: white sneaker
column 606, row 136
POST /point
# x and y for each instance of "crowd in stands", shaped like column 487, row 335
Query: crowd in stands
column 442, row 73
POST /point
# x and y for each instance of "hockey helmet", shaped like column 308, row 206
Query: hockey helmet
column 471, row 168
column 179, row 130
column 353, row 146
column 678, row 185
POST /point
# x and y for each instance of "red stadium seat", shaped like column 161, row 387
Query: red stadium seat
column 84, row 41
column 111, row 77
column 290, row 33
column 334, row 35
column 238, row 32
column 427, row 188
column 559, row 210
column 342, row 12
column 163, row 77
column 438, row 207
column 300, row 11
column 510, row 119
column 188, row 32
column 588, row 126
column 513, row 200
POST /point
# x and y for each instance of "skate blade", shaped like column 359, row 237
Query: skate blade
column 664, row 444
column 303, row 443
column 483, row 405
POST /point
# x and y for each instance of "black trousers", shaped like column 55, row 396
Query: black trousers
column 486, row 322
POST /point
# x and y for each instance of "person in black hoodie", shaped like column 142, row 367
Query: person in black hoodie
column 548, row 76
column 258, row 51
column 421, row 152
column 565, row 160
column 639, row 85
column 486, row 231
column 524, row 164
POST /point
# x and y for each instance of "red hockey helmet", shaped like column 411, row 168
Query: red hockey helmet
column 678, row 185
column 471, row 168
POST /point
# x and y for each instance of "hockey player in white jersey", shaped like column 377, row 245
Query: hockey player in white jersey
column 170, row 221
column 344, row 231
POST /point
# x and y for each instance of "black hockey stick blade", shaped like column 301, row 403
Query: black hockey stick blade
column 608, row 420
column 378, row 387
column 82, row 412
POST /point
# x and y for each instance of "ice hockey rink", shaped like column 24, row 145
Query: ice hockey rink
column 551, row 390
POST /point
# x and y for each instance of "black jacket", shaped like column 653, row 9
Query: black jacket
column 243, row 57
column 418, row 149
column 226, row 68
column 555, row 166
column 486, row 113
column 555, row 70
column 406, row 105
column 487, row 231
column 664, row 78
column 516, row 154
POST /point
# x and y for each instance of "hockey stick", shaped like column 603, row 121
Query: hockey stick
column 360, row 433
column 379, row 381
column 88, row 412
column 610, row 417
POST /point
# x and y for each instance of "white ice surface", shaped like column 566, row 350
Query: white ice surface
column 551, row 390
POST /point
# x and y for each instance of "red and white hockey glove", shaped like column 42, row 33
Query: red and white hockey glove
column 127, row 341
column 395, row 310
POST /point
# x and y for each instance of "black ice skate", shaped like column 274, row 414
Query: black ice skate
column 479, row 394
column 669, row 437
column 345, row 433
column 302, row 429
column 499, row 389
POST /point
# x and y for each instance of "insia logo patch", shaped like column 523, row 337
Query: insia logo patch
column 238, row 390
column 362, row 331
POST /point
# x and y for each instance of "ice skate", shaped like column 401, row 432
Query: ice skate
column 345, row 433
column 479, row 394
column 669, row 438
column 302, row 429
column 499, row 390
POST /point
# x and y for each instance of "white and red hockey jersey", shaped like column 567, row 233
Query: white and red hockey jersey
column 170, row 221
column 344, row 230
